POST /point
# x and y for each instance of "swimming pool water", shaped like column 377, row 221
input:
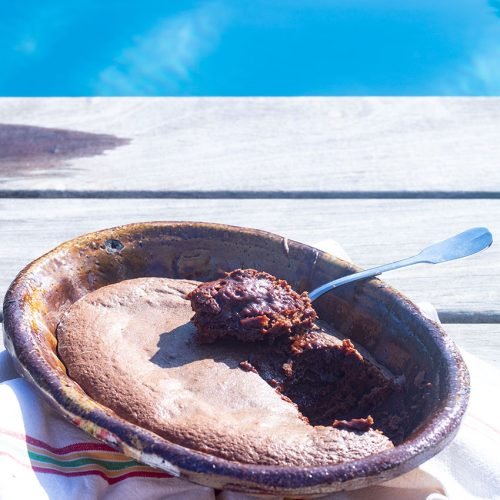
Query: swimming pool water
column 255, row 47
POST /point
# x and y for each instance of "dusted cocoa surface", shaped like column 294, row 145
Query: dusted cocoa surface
column 251, row 306
column 132, row 347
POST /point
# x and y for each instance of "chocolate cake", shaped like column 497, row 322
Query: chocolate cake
column 330, row 382
column 251, row 306
column 309, row 398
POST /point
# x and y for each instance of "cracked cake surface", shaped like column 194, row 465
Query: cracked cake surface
column 132, row 347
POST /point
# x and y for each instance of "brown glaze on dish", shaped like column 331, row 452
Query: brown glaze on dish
column 132, row 347
column 372, row 314
column 251, row 306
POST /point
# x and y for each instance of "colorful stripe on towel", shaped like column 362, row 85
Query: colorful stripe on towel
column 77, row 459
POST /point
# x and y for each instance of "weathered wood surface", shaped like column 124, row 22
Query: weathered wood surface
column 481, row 340
column 371, row 231
column 314, row 145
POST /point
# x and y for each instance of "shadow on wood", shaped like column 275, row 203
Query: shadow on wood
column 32, row 150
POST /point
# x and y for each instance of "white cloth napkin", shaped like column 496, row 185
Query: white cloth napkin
column 44, row 457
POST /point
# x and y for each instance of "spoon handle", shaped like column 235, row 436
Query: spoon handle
column 467, row 243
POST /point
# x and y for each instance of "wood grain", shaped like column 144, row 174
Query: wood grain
column 371, row 231
column 480, row 340
column 270, row 144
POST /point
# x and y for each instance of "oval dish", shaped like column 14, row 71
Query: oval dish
column 371, row 313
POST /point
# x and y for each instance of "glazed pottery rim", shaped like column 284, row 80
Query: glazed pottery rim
column 429, row 438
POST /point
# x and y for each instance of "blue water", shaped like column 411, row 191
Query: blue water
column 254, row 47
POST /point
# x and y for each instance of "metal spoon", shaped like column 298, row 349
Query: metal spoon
column 467, row 243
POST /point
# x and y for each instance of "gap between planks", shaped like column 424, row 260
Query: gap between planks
column 242, row 194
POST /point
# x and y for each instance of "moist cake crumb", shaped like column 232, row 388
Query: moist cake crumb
column 357, row 424
column 329, row 380
column 247, row 366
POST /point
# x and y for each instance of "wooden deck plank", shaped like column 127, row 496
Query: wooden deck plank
column 481, row 340
column 252, row 145
column 371, row 231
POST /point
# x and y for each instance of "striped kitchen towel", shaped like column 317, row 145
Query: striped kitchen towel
column 44, row 457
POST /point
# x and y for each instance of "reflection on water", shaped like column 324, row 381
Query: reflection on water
column 233, row 47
